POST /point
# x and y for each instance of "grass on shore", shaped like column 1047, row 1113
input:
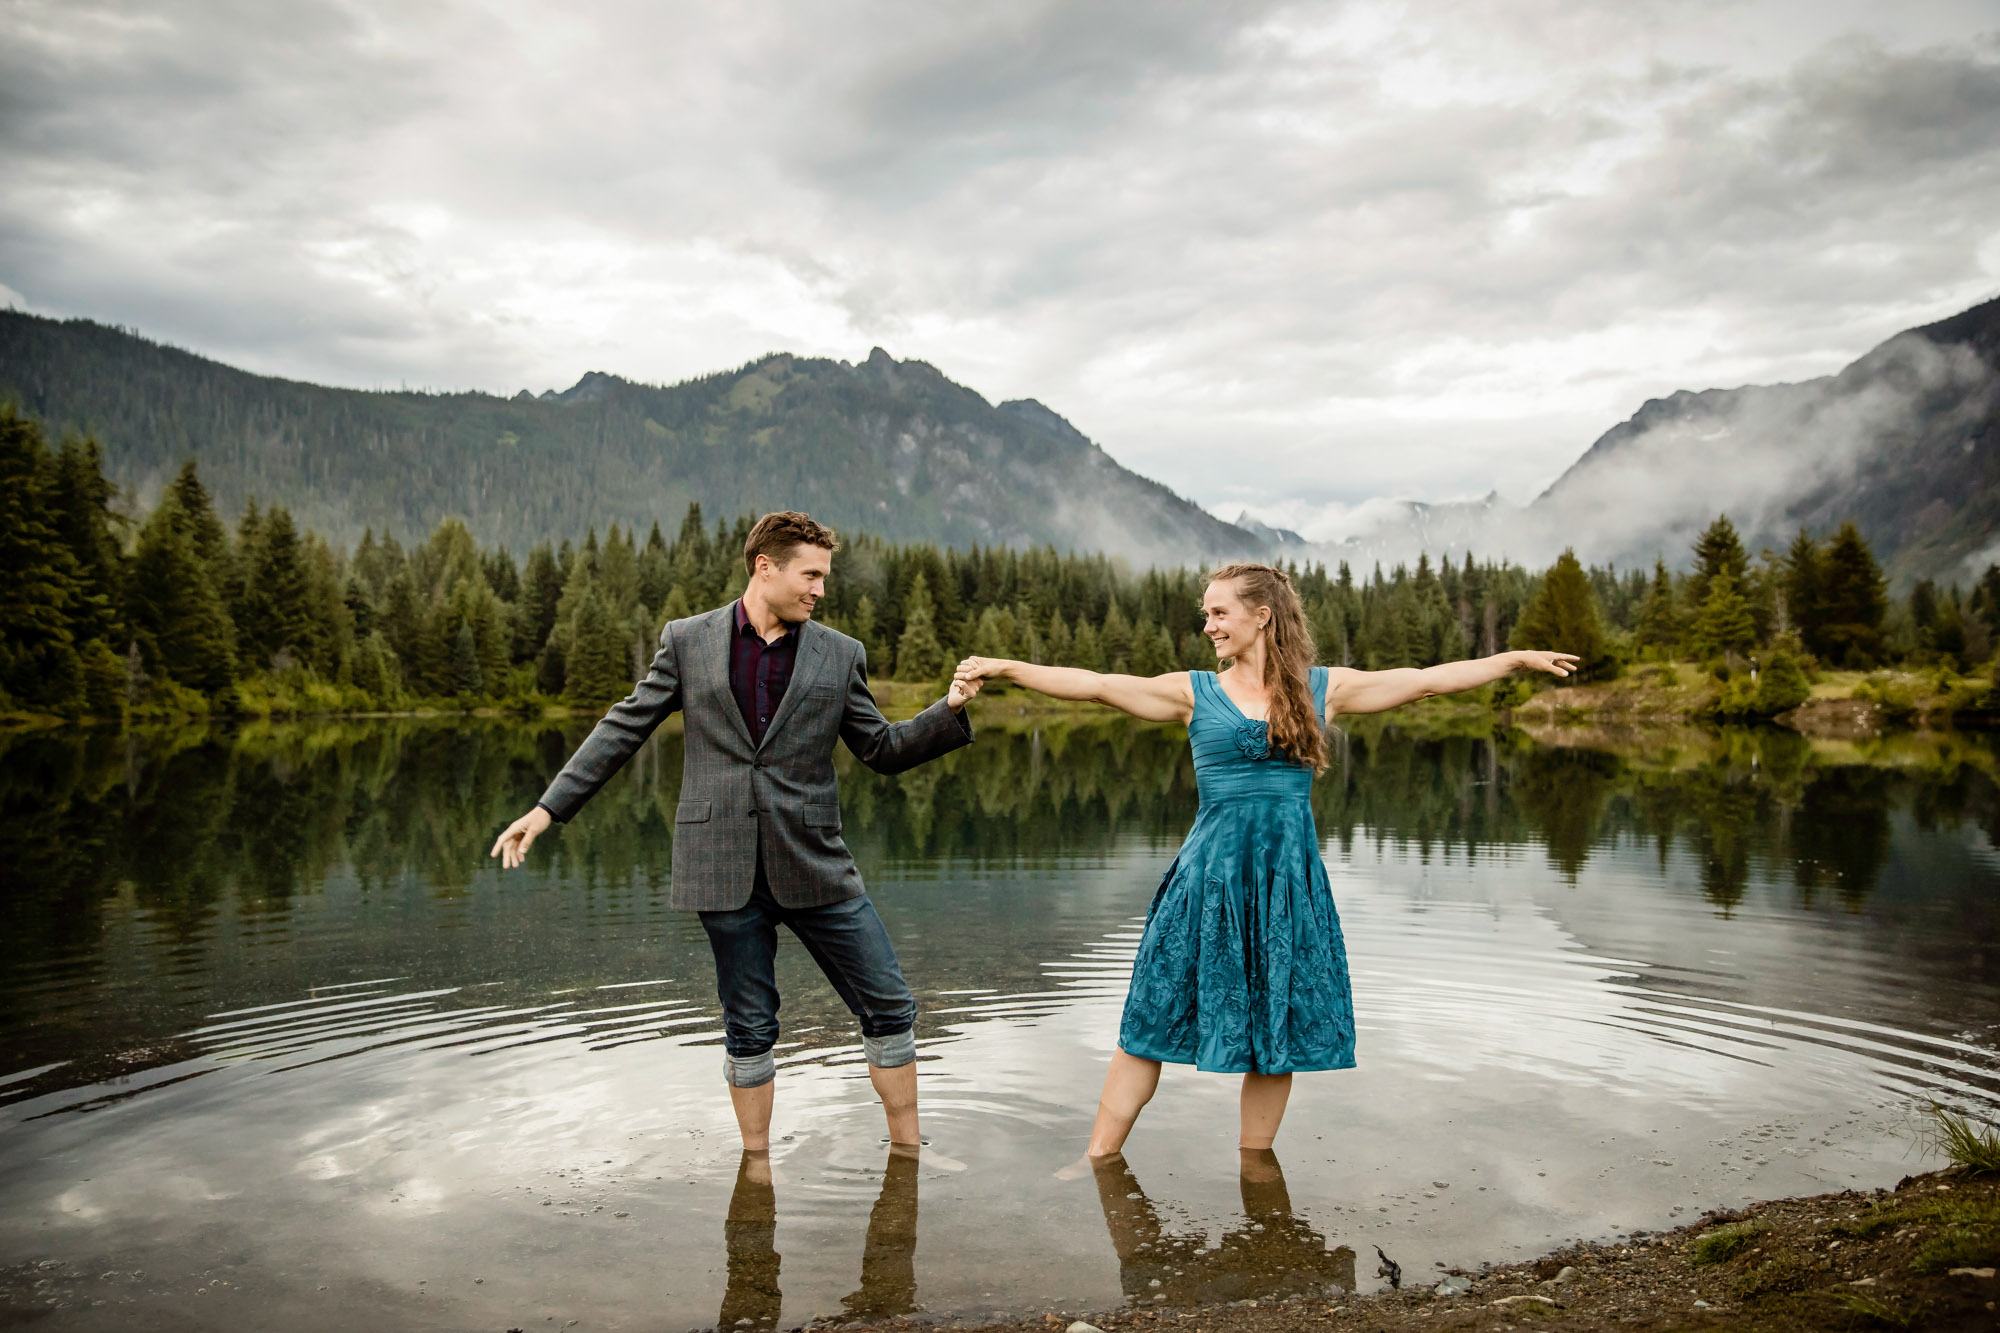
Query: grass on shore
column 1971, row 1146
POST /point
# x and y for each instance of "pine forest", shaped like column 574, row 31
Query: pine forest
column 116, row 616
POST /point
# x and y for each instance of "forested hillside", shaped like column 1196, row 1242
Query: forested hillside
column 890, row 446
column 180, row 614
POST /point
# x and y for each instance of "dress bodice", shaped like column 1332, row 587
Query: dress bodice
column 1233, row 758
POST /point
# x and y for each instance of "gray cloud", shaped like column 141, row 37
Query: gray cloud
column 1289, row 256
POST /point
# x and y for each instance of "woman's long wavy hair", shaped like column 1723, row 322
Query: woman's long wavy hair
column 1289, row 654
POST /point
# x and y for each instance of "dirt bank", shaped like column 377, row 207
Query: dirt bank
column 1922, row 1256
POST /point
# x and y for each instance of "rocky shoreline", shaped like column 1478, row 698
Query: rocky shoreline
column 1922, row 1257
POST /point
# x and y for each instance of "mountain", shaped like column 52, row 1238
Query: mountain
column 1905, row 442
column 892, row 447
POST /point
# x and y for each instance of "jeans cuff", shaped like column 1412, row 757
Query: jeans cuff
column 893, row 1051
column 752, row 1071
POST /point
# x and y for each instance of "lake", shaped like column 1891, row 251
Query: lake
column 278, row 1046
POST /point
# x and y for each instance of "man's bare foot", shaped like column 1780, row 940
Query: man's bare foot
column 756, row 1166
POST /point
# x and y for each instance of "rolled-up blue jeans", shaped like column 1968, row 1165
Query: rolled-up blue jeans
column 850, row 944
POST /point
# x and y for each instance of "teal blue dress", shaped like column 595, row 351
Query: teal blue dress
column 1241, row 968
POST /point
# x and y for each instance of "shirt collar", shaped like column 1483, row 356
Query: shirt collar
column 743, row 626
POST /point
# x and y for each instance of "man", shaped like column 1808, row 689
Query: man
column 767, row 690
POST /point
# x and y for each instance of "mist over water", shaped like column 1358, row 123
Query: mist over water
column 277, row 1043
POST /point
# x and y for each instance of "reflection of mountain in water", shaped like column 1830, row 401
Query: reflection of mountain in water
column 1272, row 1252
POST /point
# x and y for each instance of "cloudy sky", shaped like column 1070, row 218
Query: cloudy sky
column 1283, row 256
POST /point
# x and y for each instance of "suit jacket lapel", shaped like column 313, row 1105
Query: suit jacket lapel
column 806, row 667
column 715, row 651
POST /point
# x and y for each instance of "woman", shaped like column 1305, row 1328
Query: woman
column 1241, row 967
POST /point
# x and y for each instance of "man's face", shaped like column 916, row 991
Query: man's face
column 793, row 591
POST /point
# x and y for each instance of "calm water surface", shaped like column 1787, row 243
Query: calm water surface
column 277, row 1045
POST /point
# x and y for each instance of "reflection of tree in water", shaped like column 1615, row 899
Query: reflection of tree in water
column 888, row 1258
column 186, row 824
column 264, row 812
column 1272, row 1253
column 1564, row 793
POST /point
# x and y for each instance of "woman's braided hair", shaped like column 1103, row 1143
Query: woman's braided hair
column 1294, row 726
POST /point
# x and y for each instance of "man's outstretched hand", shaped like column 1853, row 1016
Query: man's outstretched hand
column 512, row 846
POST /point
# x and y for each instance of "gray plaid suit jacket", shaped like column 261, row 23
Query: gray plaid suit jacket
column 737, row 797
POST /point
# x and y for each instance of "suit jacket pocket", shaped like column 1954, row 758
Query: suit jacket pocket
column 691, row 812
column 822, row 815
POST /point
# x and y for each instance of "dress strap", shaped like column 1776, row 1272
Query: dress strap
column 1204, row 682
column 1318, row 677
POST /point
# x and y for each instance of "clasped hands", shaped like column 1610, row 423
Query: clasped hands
column 970, row 673
column 963, row 686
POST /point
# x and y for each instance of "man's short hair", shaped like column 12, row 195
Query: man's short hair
column 779, row 535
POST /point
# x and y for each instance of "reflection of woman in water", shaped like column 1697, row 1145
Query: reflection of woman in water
column 1241, row 967
column 888, row 1258
column 1272, row 1254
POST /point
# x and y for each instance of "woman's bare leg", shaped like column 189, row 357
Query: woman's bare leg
column 1264, row 1097
column 1128, row 1086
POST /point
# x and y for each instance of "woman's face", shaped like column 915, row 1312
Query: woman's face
column 1232, row 627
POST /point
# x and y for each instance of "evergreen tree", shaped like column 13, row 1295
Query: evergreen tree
column 276, row 623
column 541, row 593
column 1056, row 641
column 85, row 524
column 1152, row 650
column 175, row 607
column 598, row 672
column 1782, row 684
column 1563, row 618
column 376, row 670
column 204, row 527
column 862, row 624
column 676, row 607
column 501, row 575
column 1725, row 626
column 1948, row 636
column 1986, row 599
column 472, row 605
column 1923, row 613
column 466, row 677
column 1028, row 645
column 1115, row 640
column 1717, row 551
column 236, row 572
column 919, row 655
column 1804, row 587
column 1659, row 621
column 39, row 585
column 1084, row 649
column 1854, row 602
column 656, row 571
column 551, row 669
column 618, row 575
column 329, row 638
column 994, row 635
column 1937, row 624
column 1762, row 589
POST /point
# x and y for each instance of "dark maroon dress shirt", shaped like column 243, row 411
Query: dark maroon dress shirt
column 759, row 672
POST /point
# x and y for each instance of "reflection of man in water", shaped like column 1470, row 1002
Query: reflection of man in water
column 888, row 1259
column 1272, row 1254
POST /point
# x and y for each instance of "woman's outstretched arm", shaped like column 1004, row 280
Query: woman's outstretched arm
column 1351, row 691
column 1168, row 698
